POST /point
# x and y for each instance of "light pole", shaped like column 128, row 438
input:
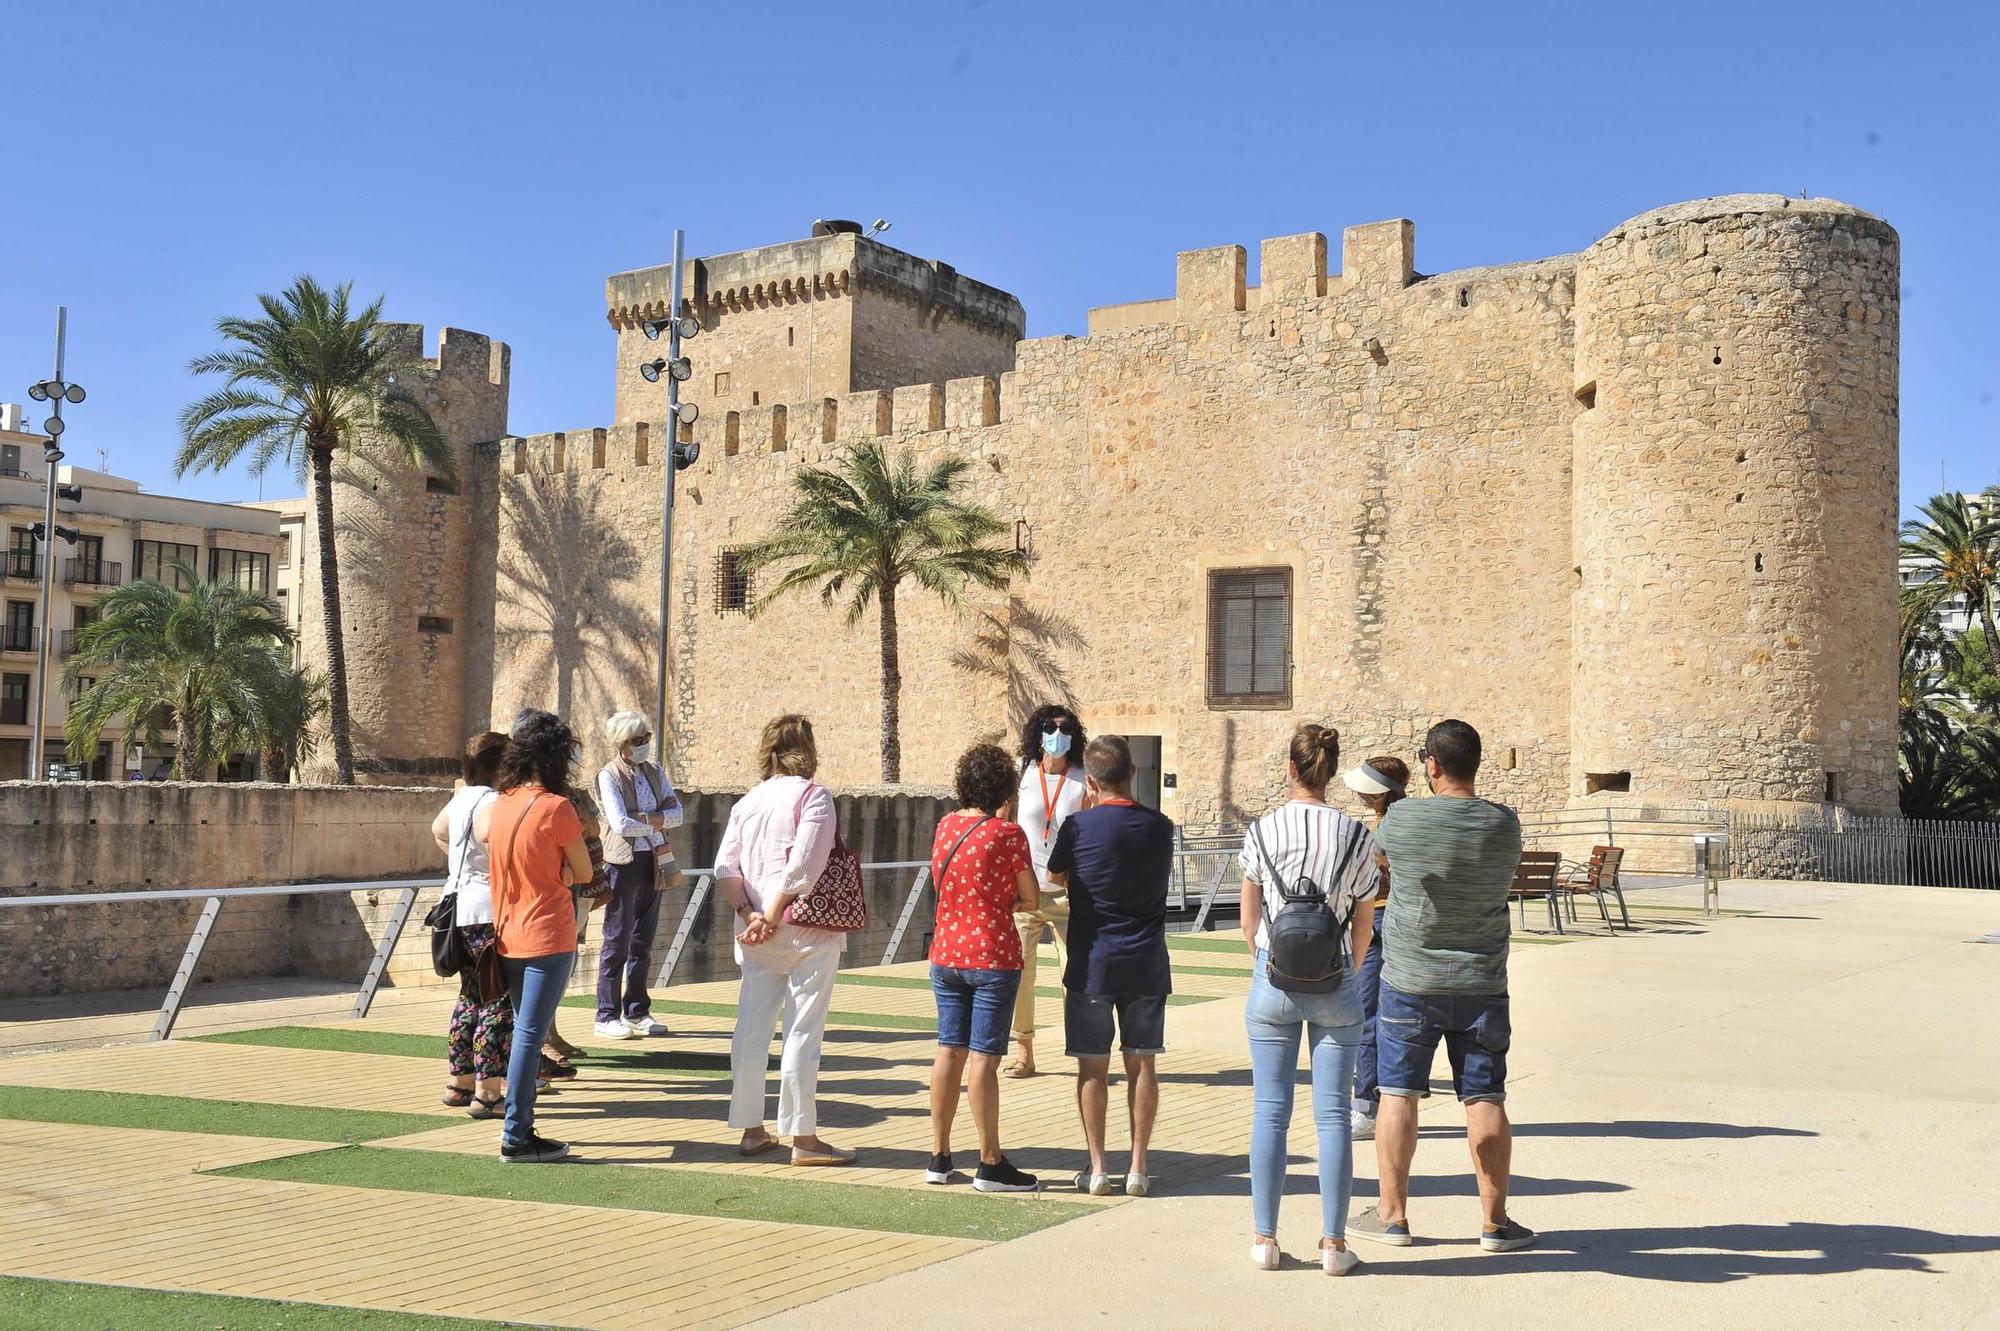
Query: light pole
column 678, row 455
column 53, row 390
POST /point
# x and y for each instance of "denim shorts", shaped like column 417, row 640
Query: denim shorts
column 1475, row 1030
column 1141, row 1023
column 975, row 1007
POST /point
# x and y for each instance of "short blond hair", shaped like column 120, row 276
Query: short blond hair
column 787, row 748
column 621, row 728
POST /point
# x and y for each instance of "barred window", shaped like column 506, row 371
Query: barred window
column 732, row 583
column 1250, row 637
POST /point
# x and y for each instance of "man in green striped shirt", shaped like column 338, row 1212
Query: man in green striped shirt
column 1444, row 978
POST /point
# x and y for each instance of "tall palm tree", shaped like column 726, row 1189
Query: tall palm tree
column 1958, row 545
column 300, row 385
column 858, row 531
column 294, row 706
column 206, row 658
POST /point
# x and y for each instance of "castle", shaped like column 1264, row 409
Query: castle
column 1630, row 511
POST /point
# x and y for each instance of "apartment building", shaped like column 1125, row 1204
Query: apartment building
column 124, row 534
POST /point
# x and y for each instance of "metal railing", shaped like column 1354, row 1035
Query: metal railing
column 23, row 564
column 92, row 572
column 19, row 638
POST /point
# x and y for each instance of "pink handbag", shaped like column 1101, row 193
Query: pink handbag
column 836, row 900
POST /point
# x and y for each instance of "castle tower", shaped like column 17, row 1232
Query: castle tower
column 406, row 546
column 811, row 319
column 1735, row 506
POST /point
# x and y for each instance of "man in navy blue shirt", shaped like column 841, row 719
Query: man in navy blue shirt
column 1114, row 860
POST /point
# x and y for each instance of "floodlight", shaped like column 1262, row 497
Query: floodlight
column 651, row 328
column 650, row 371
column 685, row 455
column 53, row 426
column 39, row 392
column 680, row 369
column 73, row 394
column 688, row 412
column 689, row 325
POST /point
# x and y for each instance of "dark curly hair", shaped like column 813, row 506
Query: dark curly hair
column 540, row 752
column 986, row 778
column 1031, row 734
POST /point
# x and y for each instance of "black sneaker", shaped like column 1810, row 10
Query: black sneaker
column 537, row 1150
column 1505, row 1237
column 939, row 1170
column 1003, row 1177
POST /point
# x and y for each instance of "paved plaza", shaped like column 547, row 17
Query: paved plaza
column 1782, row 1117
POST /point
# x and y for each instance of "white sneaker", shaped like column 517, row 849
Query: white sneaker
column 614, row 1030
column 1337, row 1261
column 1138, row 1185
column 646, row 1025
column 1362, row 1126
column 1264, row 1256
column 1097, row 1185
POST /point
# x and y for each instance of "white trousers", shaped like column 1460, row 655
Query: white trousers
column 801, row 983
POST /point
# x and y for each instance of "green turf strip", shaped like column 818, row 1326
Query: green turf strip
column 1232, row 942
column 923, row 982
column 620, row 1058
column 233, row 1118
column 1225, row 972
column 44, row 1304
column 959, row 1213
column 894, row 1021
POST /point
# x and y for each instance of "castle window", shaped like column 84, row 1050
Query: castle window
column 722, row 383
column 433, row 624
column 1832, row 793
column 1616, row 783
column 732, row 584
column 788, row 335
column 755, row 397
column 1250, row 638
column 438, row 486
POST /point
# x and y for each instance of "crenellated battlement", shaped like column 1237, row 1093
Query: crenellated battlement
column 461, row 354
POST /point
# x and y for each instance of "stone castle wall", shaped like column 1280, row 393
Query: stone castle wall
column 1507, row 494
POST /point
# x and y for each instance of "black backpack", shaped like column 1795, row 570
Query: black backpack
column 1305, row 934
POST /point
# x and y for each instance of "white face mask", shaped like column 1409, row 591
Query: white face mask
column 639, row 751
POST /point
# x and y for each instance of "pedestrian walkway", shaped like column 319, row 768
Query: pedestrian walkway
column 1690, row 1097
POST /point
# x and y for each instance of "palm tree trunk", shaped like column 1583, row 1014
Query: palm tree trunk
column 892, row 691
column 1985, row 600
column 329, row 599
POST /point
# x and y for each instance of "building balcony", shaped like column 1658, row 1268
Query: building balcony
column 24, row 564
column 67, row 644
column 19, row 638
column 92, row 573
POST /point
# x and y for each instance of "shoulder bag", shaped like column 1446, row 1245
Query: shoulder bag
column 448, row 952
column 836, row 900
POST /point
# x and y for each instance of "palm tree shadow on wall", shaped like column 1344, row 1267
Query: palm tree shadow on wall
column 568, row 615
column 1023, row 650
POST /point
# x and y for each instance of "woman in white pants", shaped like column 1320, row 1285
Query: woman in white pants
column 775, row 848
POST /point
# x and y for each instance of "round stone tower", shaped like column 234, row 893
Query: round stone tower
column 1735, row 507
column 407, row 568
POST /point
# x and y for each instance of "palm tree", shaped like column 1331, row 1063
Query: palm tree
column 205, row 657
column 859, row 531
column 1958, row 545
column 294, row 707
column 1951, row 776
column 299, row 385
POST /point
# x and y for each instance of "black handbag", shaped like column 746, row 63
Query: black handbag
column 449, row 954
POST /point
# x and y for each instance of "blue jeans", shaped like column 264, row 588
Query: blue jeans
column 1476, row 1030
column 974, row 1007
column 1275, row 1020
column 534, row 985
column 1366, row 1098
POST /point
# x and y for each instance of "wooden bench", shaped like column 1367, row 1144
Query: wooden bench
column 1535, row 877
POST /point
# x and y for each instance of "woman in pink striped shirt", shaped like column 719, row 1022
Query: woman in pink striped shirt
column 776, row 846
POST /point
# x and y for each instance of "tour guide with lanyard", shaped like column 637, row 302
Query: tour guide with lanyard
column 1305, row 936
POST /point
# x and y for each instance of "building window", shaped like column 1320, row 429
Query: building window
column 13, row 700
column 285, row 553
column 732, row 583
column 1250, row 637
column 437, row 485
column 10, row 461
column 248, row 569
column 433, row 624
column 19, row 634
column 21, row 553
column 1607, row 783
column 155, row 560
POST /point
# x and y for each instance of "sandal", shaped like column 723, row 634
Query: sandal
column 456, row 1097
column 759, row 1147
column 557, row 1069
column 826, row 1157
column 483, row 1108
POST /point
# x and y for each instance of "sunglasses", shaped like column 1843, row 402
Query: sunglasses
column 1423, row 755
column 1051, row 727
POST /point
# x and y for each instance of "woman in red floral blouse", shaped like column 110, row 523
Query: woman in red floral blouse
column 984, row 873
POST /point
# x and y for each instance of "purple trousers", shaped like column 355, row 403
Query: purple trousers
column 631, row 918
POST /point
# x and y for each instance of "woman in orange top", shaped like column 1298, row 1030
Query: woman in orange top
column 534, row 843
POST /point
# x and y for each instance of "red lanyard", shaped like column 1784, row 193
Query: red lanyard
column 1048, row 803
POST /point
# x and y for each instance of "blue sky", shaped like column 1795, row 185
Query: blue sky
column 486, row 165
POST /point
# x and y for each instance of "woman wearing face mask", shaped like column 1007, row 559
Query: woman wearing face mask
column 636, row 807
column 1051, row 792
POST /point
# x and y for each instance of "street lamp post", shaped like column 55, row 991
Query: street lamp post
column 56, row 391
column 676, row 369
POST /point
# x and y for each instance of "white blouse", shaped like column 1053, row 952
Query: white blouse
column 776, row 844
